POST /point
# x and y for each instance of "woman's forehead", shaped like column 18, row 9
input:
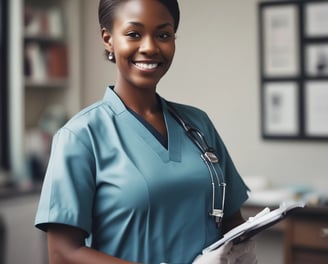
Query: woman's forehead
column 143, row 11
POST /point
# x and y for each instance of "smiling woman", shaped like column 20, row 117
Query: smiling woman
column 143, row 47
column 124, row 177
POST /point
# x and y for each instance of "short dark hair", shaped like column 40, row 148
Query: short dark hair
column 107, row 8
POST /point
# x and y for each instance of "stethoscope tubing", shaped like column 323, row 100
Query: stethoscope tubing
column 208, row 156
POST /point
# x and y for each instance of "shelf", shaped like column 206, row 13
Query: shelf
column 45, row 84
column 43, row 38
column 45, row 69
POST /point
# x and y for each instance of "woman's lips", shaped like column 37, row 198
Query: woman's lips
column 148, row 66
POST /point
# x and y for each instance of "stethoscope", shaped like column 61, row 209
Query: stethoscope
column 209, row 157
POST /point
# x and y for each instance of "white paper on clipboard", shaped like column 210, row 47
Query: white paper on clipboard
column 256, row 224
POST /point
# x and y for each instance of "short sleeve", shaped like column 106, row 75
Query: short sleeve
column 69, row 184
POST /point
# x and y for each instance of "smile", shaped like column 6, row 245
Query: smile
column 146, row 66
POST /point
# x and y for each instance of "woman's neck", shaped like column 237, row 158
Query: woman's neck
column 145, row 103
column 142, row 101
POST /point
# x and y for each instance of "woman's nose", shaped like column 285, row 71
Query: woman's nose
column 149, row 46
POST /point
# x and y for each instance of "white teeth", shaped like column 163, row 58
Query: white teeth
column 147, row 66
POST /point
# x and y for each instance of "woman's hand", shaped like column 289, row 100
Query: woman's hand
column 243, row 253
column 217, row 256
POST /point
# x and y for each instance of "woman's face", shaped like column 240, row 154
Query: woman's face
column 143, row 42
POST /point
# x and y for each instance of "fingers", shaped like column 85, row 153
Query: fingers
column 248, row 258
column 225, row 248
column 217, row 256
column 244, row 247
column 243, row 253
column 246, row 252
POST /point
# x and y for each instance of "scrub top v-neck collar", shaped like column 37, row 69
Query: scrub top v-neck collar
column 122, row 114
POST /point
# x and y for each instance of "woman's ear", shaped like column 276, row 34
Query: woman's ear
column 107, row 39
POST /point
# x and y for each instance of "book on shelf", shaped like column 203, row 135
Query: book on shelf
column 57, row 61
column 45, row 62
column 35, row 64
column 44, row 22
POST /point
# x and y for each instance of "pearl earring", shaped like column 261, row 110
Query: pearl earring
column 111, row 56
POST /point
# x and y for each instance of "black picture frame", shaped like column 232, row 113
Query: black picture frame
column 293, row 67
column 4, row 90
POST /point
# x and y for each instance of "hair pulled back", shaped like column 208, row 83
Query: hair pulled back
column 107, row 9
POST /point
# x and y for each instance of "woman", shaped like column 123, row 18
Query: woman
column 125, row 184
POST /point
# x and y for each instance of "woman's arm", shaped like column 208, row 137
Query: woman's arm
column 66, row 245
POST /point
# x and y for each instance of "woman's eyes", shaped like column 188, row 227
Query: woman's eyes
column 133, row 35
column 161, row 36
column 165, row 35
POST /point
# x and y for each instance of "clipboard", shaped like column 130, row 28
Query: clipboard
column 263, row 220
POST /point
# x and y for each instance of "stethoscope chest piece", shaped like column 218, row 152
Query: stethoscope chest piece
column 218, row 214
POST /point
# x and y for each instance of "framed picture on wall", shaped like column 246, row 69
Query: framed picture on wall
column 280, row 109
column 293, row 40
column 316, row 19
column 279, row 40
column 316, row 59
column 316, row 108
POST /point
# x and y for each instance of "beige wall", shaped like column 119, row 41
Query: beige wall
column 216, row 68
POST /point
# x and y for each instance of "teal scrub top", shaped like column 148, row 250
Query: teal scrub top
column 137, row 200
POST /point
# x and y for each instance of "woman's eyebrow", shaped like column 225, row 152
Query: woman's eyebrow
column 138, row 24
column 165, row 25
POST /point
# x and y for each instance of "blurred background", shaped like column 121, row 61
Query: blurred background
column 53, row 65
